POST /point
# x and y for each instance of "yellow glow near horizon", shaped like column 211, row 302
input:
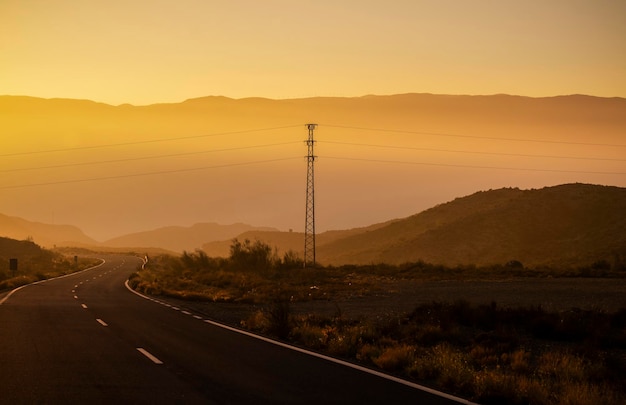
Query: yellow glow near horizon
column 144, row 52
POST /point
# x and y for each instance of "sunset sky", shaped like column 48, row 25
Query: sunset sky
column 151, row 51
column 226, row 161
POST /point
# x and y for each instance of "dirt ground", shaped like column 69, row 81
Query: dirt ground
column 394, row 298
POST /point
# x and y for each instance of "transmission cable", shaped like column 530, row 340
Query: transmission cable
column 124, row 176
column 491, row 138
column 111, row 145
column 146, row 157
column 471, row 166
column 472, row 152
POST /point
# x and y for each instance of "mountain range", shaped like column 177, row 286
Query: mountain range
column 569, row 225
column 47, row 235
column 115, row 170
column 179, row 239
column 175, row 239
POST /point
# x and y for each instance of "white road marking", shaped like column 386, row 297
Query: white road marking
column 6, row 297
column 186, row 312
column 76, row 297
column 327, row 358
column 84, row 306
column 101, row 322
column 149, row 355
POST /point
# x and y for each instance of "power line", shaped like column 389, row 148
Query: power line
column 492, row 138
column 123, row 176
column 472, row 167
column 111, row 145
column 145, row 157
column 472, row 152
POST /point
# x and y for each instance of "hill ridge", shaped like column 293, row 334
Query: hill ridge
column 565, row 225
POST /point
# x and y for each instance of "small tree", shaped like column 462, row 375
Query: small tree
column 291, row 260
column 252, row 256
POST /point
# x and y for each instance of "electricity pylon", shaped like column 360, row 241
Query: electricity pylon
column 309, row 227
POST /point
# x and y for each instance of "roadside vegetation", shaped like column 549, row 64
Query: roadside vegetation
column 483, row 352
column 34, row 263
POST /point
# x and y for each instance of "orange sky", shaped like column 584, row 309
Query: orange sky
column 150, row 51
column 157, row 51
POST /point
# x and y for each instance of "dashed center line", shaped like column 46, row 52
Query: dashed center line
column 101, row 322
column 149, row 355
column 84, row 306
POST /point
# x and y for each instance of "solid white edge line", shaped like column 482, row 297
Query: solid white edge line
column 149, row 355
column 328, row 358
column 2, row 301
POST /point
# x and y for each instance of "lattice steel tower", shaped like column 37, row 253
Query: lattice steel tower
column 309, row 227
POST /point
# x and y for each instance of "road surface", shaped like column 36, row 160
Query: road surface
column 86, row 338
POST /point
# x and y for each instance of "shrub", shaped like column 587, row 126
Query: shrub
column 519, row 361
column 308, row 335
column 280, row 318
column 248, row 256
column 495, row 387
column 447, row 366
column 395, row 358
column 258, row 321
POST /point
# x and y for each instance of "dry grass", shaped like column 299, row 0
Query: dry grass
column 482, row 351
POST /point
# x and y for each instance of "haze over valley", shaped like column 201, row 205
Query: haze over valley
column 115, row 170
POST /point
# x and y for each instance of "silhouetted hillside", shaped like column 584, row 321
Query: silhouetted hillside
column 571, row 224
column 43, row 234
column 30, row 257
column 178, row 238
column 15, row 248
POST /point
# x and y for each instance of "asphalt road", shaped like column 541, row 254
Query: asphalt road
column 85, row 338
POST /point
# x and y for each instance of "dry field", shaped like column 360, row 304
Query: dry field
column 395, row 298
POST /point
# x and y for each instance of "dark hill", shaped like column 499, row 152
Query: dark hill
column 28, row 253
column 570, row 224
column 46, row 235
column 15, row 248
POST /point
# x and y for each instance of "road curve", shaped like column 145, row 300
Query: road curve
column 85, row 338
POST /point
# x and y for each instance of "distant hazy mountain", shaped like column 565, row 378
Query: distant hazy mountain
column 572, row 224
column 43, row 234
column 240, row 160
column 178, row 238
column 284, row 241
